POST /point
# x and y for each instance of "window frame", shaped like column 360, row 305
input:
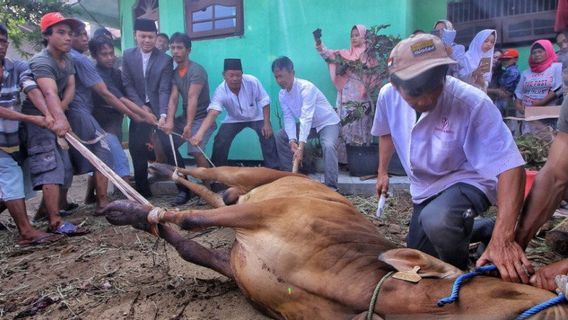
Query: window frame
column 191, row 6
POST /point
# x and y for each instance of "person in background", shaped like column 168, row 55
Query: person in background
column 496, row 72
column 147, row 78
column 441, row 129
column 507, row 82
column 540, row 85
column 445, row 30
column 109, row 118
column 247, row 105
column 562, row 53
column 477, row 63
column 351, row 88
column 17, row 78
column 163, row 42
column 190, row 81
column 301, row 101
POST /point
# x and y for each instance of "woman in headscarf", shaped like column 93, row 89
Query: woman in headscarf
column 351, row 87
column 445, row 30
column 478, row 60
column 540, row 85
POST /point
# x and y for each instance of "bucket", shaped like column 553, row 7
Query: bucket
column 531, row 174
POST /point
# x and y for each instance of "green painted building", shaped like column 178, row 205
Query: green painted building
column 272, row 28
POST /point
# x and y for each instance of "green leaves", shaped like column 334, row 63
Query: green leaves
column 22, row 20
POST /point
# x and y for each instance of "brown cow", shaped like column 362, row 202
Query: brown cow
column 303, row 251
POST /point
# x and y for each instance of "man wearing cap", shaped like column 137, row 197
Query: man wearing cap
column 247, row 105
column 457, row 152
column 16, row 78
column 508, row 81
column 301, row 101
column 80, row 114
column 53, row 71
column 147, row 79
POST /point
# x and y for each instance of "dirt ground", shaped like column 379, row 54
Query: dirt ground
column 122, row 273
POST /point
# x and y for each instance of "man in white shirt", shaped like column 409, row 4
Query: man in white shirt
column 302, row 101
column 247, row 105
column 455, row 149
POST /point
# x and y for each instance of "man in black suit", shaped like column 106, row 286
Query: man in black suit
column 147, row 78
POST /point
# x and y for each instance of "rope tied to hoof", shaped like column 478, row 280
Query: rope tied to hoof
column 454, row 296
column 154, row 217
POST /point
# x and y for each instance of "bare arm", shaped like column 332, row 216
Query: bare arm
column 267, row 127
column 48, row 87
column 207, row 123
column 502, row 250
column 386, row 150
column 547, row 190
column 551, row 96
column 69, row 92
column 167, row 124
column 17, row 116
column 102, row 90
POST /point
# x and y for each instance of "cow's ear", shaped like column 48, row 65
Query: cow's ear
column 406, row 259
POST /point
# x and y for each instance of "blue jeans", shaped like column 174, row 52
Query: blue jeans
column 328, row 137
column 440, row 227
column 227, row 133
column 119, row 160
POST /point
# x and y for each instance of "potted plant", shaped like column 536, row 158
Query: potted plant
column 362, row 149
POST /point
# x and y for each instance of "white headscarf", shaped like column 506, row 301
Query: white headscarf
column 474, row 55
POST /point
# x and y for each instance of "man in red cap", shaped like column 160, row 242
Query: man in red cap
column 508, row 80
column 49, row 161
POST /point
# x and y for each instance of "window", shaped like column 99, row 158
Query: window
column 213, row 18
column 516, row 21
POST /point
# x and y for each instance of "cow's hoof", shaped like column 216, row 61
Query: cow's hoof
column 126, row 212
column 162, row 170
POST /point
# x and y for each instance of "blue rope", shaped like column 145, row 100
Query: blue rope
column 525, row 315
column 457, row 284
column 539, row 307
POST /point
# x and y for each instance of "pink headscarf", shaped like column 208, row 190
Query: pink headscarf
column 550, row 56
column 348, row 54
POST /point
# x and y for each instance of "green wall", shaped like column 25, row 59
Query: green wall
column 284, row 27
column 273, row 28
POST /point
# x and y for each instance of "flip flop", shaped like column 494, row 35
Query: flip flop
column 46, row 239
column 70, row 230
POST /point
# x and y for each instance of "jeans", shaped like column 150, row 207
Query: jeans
column 328, row 137
column 227, row 133
column 119, row 159
column 440, row 226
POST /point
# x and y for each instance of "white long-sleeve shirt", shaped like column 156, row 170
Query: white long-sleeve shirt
column 307, row 103
column 246, row 106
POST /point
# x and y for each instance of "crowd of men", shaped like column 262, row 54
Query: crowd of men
column 459, row 155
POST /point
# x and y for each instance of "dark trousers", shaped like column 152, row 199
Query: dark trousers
column 441, row 227
column 226, row 135
column 138, row 137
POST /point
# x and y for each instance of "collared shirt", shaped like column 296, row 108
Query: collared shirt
column 145, row 60
column 16, row 76
column 246, row 106
column 306, row 103
column 510, row 78
column 462, row 139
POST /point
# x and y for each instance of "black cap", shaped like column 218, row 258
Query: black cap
column 232, row 64
column 102, row 32
column 145, row 25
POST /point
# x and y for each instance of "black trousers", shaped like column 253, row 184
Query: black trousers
column 138, row 137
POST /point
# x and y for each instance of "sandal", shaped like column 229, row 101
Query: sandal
column 70, row 230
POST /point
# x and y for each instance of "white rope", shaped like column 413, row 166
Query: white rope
column 173, row 150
